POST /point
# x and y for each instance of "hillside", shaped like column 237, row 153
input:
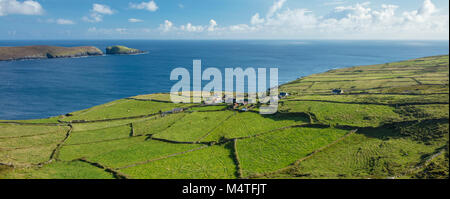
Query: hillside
column 390, row 121
column 44, row 52
column 116, row 50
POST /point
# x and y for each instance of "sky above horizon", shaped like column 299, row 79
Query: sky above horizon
column 230, row 19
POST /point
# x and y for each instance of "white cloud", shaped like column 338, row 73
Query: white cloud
column 133, row 20
column 362, row 21
column 150, row 6
column 97, row 12
column 357, row 21
column 93, row 17
column 349, row 22
column 422, row 14
column 167, row 26
column 275, row 7
column 102, row 9
column 28, row 7
column 427, row 9
column 212, row 25
column 64, row 22
column 180, row 5
column 191, row 28
column 239, row 28
column 256, row 19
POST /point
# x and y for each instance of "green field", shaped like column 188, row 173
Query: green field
column 277, row 150
column 211, row 162
column 391, row 121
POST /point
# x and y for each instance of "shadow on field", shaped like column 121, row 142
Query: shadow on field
column 297, row 117
column 424, row 131
column 233, row 155
column 382, row 133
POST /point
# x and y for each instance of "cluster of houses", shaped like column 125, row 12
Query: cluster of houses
column 242, row 106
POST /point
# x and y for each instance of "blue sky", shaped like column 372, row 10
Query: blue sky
column 224, row 19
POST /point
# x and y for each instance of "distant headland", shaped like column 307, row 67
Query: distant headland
column 46, row 52
column 122, row 50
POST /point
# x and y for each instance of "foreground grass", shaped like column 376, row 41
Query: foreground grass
column 277, row 150
column 212, row 162
column 372, row 153
column 62, row 170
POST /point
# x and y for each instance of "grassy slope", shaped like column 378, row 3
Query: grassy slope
column 29, row 52
column 400, row 110
column 121, row 50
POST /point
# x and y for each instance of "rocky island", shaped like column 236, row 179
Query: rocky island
column 46, row 52
column 122, row 50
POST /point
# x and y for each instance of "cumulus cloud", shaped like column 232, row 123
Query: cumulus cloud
column 256, row 19
column 191, row 28
column 133, row 20
column 357, row 21
column 212, row 25
column 422, row 14
column 167, row 26
column 28, row 7
column 361, row 20
column 102, row 9
column 150, row 6
column 97, row 12
column 275, row 7
column 93, row 17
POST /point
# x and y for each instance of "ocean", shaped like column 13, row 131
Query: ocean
column 31, row 89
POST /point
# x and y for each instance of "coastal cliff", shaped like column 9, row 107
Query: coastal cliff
column 46, row 52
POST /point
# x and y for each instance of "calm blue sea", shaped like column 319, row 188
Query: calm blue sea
column 42, row 88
